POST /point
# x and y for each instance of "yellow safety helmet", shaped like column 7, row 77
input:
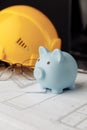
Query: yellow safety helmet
column 22, row 30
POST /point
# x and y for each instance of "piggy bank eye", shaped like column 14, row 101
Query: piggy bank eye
column 38, row 60
column 48, row 62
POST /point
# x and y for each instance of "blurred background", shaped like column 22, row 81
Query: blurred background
column 69, row 18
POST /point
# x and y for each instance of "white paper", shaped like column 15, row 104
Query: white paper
column 24, row 106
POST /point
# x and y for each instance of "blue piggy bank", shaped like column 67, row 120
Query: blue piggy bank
column 55, row 70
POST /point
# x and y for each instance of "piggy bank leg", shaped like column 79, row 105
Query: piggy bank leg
column 43, row 89
column 59, row 91
column 72, row 87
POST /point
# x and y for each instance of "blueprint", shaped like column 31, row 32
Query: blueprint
column 24, row 106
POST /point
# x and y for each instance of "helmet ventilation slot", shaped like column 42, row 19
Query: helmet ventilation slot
column 21, row 43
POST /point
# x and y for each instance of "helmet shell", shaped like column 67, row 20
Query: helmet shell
column 22, row 30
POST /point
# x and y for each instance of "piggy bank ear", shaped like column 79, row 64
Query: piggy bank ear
column 57, row 54
column 43, row 50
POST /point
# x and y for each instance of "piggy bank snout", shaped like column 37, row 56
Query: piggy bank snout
column 39, row 73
